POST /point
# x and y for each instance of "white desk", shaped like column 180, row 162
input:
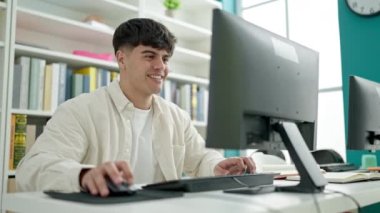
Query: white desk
column 365, row 193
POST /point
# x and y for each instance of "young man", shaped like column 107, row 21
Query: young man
column 124, row 132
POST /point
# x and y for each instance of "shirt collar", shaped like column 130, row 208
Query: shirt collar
column 122, row 102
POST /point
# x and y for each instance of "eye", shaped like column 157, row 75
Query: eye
column 165, row 60
column 150, row 56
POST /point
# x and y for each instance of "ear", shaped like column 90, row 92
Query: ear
column 120, row 58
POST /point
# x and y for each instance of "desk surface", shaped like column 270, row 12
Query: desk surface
column 365, row 193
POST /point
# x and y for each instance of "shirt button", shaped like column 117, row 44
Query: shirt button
column 130, row 106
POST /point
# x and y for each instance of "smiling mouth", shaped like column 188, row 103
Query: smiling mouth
column 156, row 77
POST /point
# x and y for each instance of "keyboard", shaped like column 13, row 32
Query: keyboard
column 338, row 167
column 213, row 183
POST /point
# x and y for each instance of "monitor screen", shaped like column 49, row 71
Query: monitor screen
column 256, row 79
column 363, row 118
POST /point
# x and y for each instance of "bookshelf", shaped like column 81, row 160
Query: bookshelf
column 51, row 30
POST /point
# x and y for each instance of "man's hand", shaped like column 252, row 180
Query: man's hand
column 94, row 180
column 235, row 166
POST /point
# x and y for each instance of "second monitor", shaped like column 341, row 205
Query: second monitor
column 363, row 122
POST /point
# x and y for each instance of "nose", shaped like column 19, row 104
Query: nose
column 159, row 64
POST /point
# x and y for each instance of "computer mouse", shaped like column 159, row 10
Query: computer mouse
column 324, row 156
column 122, row 189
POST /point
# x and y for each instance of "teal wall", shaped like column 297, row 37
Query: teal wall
column 230, row 6
column 360, row 52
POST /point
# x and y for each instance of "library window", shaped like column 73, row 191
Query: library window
column 314, row 24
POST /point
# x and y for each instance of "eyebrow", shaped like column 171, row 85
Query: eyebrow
column 153, row 52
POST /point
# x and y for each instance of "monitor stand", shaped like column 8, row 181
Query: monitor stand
column 311, row 178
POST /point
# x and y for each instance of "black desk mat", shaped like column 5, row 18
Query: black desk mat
column 141, row 195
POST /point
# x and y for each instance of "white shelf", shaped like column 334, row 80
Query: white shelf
column 3, row 5
column 190, row 56
column 1, row 44
column 62, row 27
column 32, row 112
column 201, row 4
column 73, row 60
column 113, row 9
column 199, row 124
column 188, row 78
column 181, row 29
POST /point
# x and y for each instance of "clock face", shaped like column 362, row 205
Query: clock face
column 364, row 7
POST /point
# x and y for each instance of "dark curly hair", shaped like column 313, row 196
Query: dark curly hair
column 143, row 31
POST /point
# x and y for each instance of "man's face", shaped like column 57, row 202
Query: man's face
column 143, row 69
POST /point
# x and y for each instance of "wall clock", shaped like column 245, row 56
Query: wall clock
column 364, row 7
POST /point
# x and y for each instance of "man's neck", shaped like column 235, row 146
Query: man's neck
column 139, row 101
column 142, row 103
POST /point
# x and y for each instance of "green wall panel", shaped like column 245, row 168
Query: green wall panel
column 230, row 6
column 360, row 52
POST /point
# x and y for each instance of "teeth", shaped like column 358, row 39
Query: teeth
column 155, row 76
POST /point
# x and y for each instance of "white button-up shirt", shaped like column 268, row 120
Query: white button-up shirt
column 95, row 128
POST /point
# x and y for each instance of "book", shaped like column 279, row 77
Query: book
column 349, row 177
column 17, row 78
column 24, row 84
column 282, row 171
column 194, row 101
column 12, row 142
column 91, row 72
column 105, row 77
column 76, row 84
column 51, row 87
column 167, row 90
column 114, row 76
column 36, row 83
column 31, row 131
column 101, row 56
column 19, row 139
column 86, row 84
column 185, row 98
column 346, row 177
column 205, row 104
column 47, row 87
column 62, row 83
column 55, row 85
column 69, row 83
column 200, row 105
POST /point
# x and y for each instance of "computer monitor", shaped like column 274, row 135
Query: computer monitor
column 363, row 118
column 261, row 86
